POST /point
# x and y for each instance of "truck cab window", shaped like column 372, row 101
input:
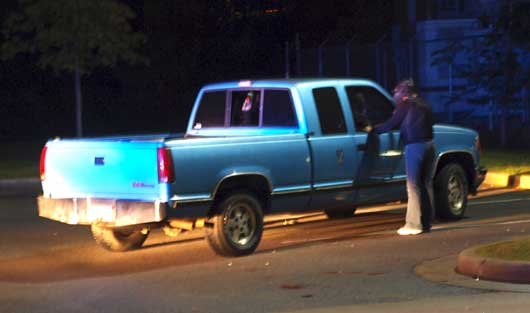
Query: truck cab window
column 245, row 108
column 357, row 99
column 278, row 109
column 329, row 111
column 211, row 111
column 377, row 108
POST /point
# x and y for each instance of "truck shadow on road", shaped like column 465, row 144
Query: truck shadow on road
column 89, row 261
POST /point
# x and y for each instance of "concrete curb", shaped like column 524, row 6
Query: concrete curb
column 524, row 182
column 495, row 179
column 471, row 264
column 442, row 270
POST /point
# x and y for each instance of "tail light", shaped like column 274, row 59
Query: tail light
column 43, row 163
column 165, row 166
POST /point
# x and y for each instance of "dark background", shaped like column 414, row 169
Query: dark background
column 189, row 43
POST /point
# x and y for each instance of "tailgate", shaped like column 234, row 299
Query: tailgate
column 103, row 169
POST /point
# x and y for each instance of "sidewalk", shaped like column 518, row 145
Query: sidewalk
column 480, row 303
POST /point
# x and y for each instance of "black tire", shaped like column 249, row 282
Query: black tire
column 340, row 213
column 450, row 192
column 237, row 227
column 119, row 239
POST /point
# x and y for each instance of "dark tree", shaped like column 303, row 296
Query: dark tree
column 74, row 36
column 497, row 68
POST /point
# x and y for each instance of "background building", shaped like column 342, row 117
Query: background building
column 423, row 27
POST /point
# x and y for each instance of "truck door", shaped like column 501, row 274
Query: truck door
column 381, row 170
column 333, row 153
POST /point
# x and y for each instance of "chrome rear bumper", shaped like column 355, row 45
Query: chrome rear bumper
column 113, row 212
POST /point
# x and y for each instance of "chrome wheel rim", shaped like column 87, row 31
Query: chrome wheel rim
column 455, row 195
column 240, row 223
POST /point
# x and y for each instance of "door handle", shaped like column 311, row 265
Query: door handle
column 362, row 147
column 392, row 153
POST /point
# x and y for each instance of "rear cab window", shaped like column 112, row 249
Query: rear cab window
column 329, row 111
column 249, row 108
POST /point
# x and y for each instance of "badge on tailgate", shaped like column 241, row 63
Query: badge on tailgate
column 99, row 161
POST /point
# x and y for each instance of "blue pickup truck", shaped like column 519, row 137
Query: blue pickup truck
column 251, row 148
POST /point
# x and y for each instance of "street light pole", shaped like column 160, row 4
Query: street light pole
column 287, row 62
column 320, row 57
column 347, row 55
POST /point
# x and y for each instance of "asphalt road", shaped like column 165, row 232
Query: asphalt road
column 304, row 263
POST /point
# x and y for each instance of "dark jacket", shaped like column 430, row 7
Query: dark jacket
column 414, row 118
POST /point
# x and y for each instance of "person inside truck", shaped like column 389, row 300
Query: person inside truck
column 359, row 113
column 248, row 110
column 413, row 116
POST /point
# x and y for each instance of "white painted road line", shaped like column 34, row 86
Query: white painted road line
column 498, row 201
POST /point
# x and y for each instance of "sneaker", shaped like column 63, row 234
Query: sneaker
column 405, row 231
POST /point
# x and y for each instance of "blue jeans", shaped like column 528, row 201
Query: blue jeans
column 419, row 163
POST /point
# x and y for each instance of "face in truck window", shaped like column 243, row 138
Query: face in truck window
column 245, row 107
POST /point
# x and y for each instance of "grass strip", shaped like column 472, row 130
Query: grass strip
column 514, row 250
column 20, row 159
column 506, row 161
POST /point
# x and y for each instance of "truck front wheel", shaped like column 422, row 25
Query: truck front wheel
column 450, row 192
column 119, row 239
column 237, row 227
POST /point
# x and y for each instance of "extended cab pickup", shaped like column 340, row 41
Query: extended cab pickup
column 251, row 148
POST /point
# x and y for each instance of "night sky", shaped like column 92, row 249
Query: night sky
column 189, row 43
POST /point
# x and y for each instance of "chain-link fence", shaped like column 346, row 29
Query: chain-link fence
column 434, row 64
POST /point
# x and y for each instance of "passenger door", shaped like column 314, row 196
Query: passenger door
column 333, row 153
column 381, row 162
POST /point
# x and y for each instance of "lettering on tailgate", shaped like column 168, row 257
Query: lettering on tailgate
column 139, row 184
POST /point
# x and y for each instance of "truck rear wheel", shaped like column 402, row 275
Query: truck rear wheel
column 119, row 239
column 237, row 227
column 450, row 192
